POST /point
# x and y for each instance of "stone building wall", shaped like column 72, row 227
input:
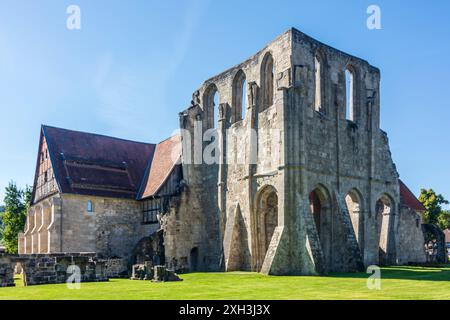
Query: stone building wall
column 191, row 237
column 56, row 268
column 337, row 155
column 329, row 199
column 411, row 238
column 62, row 223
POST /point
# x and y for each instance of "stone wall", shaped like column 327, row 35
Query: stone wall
column 323, row 192
column 62, row 223
column 53, row 268
column 411, row 238
column 6, row 270
column 116, row 268
column 191, row 239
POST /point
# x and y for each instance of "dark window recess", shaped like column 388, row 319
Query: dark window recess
column 45, row 176
column 151, row 209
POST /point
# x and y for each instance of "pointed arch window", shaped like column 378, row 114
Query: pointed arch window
column 239, row 96
column 211, row 106
column 267, row 82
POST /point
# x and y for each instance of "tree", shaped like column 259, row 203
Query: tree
column 433, row 202
column 444, row 220
column 17, row 202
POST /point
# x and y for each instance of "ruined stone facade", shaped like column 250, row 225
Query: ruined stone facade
column 52, row 268
column 63, row 223
column 304, row 183
column 284, row 170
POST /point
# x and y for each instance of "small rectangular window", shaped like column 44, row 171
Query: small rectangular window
column 89, row 206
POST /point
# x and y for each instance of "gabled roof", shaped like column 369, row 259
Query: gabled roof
column 92, row 164
column 408, row 198
column 167, row 156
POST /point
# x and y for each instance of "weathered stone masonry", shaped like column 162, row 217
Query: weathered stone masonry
column 302, row 181
column 329, row 199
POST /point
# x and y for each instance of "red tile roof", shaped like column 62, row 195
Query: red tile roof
column 167, row 156
column 408, row 198
column 92, row 164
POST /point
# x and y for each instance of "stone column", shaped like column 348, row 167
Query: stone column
column 37, row 222
column 28, row 232
column 21, row 243
column 222, row 185
column 43, row 232
column 54, row 226
column 252, row 152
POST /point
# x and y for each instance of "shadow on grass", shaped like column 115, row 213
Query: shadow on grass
column 427, row 273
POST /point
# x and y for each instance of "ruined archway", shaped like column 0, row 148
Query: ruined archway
column 320, row 205
column 384, row 209
column 267, row 221
column 193, row 260
column 354, row 203
column 211, row 105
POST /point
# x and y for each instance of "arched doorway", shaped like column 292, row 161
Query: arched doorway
column 320, row 206
column 354, row 204
column 386, row 246
column 267, row 221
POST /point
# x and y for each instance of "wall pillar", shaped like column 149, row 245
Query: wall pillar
column 54, row 226
column 37, row 222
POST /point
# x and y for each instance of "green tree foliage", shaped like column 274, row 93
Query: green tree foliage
column 2, row 209
column 17, row 202
column 434, row 213
column 444, row 220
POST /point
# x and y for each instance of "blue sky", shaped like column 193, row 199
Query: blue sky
column 134, row 65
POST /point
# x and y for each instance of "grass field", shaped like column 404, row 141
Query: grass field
column 396, row 283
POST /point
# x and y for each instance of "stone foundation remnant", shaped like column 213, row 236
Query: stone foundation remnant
column 146, row 271
column 52, row 268
column 162, row 274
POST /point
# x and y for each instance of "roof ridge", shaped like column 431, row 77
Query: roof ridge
column 99, row 135
column 169, row 138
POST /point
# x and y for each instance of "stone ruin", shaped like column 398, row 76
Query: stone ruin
column 51, row 268
column 147, row 271
column 434, row 244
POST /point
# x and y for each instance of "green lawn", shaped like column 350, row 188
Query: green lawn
column 397, row 283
